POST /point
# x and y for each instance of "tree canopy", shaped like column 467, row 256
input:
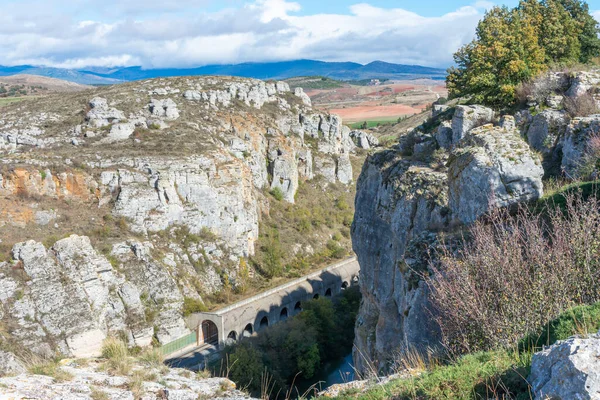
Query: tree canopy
column 515, row 45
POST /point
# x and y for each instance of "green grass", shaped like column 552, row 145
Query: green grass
column 556, row 198
column 9, row 100
column 491, row 374
column 375, row 122
column 474, row 376
column 581, row 320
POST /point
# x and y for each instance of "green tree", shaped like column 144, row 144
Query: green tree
column 246, row 366
column 587, row 28
column 514, row 45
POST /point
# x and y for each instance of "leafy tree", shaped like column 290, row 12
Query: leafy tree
column 515, row 45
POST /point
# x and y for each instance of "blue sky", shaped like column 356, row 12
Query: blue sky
column 186, row 33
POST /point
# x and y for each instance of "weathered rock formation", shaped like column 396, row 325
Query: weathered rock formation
column 403, row 197
column 118, row 203
column 492, row 167
column 569, row 369
column 91, row 380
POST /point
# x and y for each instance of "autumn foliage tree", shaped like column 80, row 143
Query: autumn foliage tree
column 515, row 45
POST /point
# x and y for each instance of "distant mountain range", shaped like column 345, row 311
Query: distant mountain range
column 275, row 70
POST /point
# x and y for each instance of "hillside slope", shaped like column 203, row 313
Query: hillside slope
column 120, row 205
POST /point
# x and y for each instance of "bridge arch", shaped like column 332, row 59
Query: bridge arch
column 264, row 322
column 248, row 331
column 345, row 285
column 328, row 293
column 209, row 333
column 316, row 296
column 283, row 314
column 232, row 336
column 298, row 306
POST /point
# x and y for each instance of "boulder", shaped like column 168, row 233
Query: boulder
column 101, row 114
column 166, row 109
column 468, row 117
column 578, row 136
column 364, row 140
column 491, row 168
column 569, row 369
column 10, row 365
column 438, row 109
column 507, row 122
column 299, row 92
column 443, row 135
column 545, row 128
column 582, row 82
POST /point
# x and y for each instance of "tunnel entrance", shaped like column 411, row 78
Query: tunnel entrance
column 210, row 333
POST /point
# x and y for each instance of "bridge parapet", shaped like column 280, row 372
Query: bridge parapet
column 248, row 316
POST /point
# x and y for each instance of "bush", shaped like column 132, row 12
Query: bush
column 153, row 358
column 277, row 194
column 191, row 306
column 516, row 274
column 581, row 106
column 117, row 355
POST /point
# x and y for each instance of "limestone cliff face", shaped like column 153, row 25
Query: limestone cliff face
column 407, row 194
column 118, row 203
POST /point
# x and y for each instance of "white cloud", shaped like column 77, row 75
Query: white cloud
column 265, row 30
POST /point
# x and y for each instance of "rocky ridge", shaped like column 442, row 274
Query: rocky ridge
column 139, row 196
column 89, row 379
column 462, row 163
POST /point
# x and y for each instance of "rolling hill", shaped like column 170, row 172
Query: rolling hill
column 274, row 70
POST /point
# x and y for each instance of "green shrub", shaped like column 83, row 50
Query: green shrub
column 277, row 194
column 191, row 306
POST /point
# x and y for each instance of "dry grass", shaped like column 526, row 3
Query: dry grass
column 116, row 353
column 153, row 358
column 52, row 368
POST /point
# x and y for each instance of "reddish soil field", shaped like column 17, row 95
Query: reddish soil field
column 383, row 102
column 371, row 112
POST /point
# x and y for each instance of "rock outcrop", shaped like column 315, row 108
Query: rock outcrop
column 91, row 380
column 492, row 168
column 468, row 117
column 404, row 196
column 569, row 369
column 576, row 143
column 395, row 202
column 157, row 203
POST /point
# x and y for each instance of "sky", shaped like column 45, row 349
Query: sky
column 190, row 33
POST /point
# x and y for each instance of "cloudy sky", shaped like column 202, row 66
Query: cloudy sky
column 187, row 33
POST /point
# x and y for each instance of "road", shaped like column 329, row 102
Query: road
column 196, row 359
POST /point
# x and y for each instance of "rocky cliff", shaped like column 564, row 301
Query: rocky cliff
column 118, row 204
column 445, row 174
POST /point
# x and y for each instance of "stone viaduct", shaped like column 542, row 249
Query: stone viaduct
column 248, row 316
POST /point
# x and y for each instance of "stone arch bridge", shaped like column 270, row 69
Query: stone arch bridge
column 251, row 315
